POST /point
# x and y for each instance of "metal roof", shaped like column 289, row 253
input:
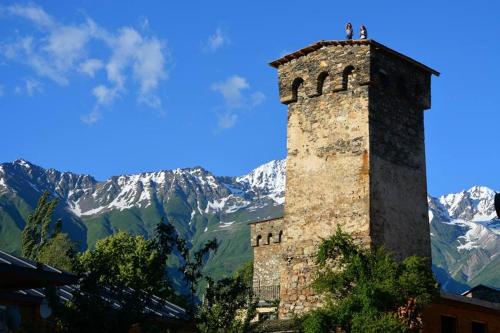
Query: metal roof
column 323, row 43
column 24, row 279
column 473, row 301
column 10, row 259
column 157, row 306
column 481, row 286
column 21, row 273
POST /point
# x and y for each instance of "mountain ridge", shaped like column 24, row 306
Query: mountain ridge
column 464, row 232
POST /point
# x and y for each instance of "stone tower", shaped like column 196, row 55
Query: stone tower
column 356, row 155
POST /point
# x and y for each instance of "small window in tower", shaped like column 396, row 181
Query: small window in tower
column 280, row 235
column 323, row 83
column 269, row 238
column 448, row 324
column 258, row 240
column 347, row 77
column 298, row 88
column 478, row 327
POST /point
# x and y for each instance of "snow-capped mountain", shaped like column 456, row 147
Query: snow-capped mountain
column 84, row 196
column 464, row 232
column 198, row 203
column 475, row 204
column 268, row 180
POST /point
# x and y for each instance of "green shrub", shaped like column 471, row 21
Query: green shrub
column 365, row 288
column 316, row 321
column 385, row 323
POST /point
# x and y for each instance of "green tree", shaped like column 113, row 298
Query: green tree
column 42, row 243
column 36, row 231
column 126, row 261
column 367, row 291
column 192, row 265
column 228, row 305
column 245, row 273
column 119, row 277
column 59, row 252
column 117, row 281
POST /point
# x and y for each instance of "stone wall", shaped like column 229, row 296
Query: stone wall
column 356, row 157
column 327, row 163
column 399, row 94
column 267, row 254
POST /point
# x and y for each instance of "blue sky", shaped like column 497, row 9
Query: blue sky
column 106, row 88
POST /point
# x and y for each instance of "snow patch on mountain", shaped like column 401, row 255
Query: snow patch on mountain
column 214, row 195
column 23, row 163
column 267, row 180
column 3, row 184
column 473, row 211
column 475, row 204
column 465, row 232
column 476, row 236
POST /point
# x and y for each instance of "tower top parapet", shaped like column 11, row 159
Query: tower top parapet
column 324, row 43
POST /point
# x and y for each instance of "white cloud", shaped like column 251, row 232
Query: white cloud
column 145, row 55
column 33, row 13
column 227, row 120
column 104, row 95
column 152, row 101
column 64, row 49
column 32, row 86
column 231, row 90
column 144, row 23
column 234, row 92
column 149, row 65
column 216, row 41
column 24, row 50
column 54, row 54
column 90, row 67
column 257, row 98
column 91, row 118
column 67, row 44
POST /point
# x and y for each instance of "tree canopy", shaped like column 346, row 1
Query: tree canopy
column 366, row 290
column 118, row 279
column 119, row 276
column 36, row 231
column 43, row 241
column 228, row 304
column 58, row 252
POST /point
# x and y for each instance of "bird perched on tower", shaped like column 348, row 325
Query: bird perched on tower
column 363, row 33
column 348, row 31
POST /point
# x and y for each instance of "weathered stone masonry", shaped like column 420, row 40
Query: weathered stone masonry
column 356, row 156
column 266, row 242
